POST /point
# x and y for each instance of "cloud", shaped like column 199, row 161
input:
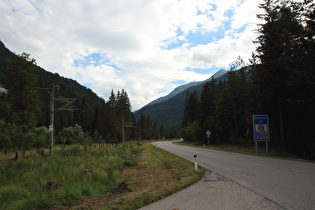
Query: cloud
column 139, row 45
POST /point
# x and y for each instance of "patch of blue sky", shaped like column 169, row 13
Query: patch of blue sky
column 95, row 59
column 202, row 39
column 173, row 42
column 88, row 85
column 173, row 45
column 161, row 90
column 114, row 66
column 179, row 82
column 241, row 29
column 229, row 13
column 199, row 38
column 92, row 59
column 171, row 85
column 211, row 70
column 214, row 7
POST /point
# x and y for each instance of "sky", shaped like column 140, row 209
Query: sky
column 146, row 47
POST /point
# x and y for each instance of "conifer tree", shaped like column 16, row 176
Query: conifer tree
column 280, row 49
column 23, row 93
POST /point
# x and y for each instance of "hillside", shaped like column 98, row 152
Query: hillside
column 182, row 88
column 169, row 113
column 68, row 88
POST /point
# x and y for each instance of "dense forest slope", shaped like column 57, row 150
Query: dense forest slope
column 68, row 88
column 89, row 110
column 182, row 88
column 169, row 113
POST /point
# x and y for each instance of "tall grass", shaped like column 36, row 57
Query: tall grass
column 79, row 174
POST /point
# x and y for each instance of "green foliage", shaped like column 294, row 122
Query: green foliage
column 279, row 82
column 71, row 135
column 41, row 136
column 148, row 129
column 6, row 130
column 191, row 108
column 13, row 136
column 80, row 174
column 23, row 95
column 191, row 132
column 22, row 78
column 10, row 194
column 285, row 78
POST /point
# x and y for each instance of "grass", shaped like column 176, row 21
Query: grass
column 28, row 153
column 126, row 176
column 154, row 175
column 250, row 150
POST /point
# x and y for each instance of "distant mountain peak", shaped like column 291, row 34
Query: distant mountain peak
column 182, row 88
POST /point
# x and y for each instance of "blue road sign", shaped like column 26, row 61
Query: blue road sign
column 261, row 127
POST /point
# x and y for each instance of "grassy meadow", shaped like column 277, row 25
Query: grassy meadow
column 119, row 176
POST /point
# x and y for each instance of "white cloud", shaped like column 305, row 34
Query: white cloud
column 133, row 35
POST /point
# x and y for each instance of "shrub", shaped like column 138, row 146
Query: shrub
column 41, row 137
column 70, row 135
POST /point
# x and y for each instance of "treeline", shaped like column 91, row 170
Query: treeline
column 279, row 81
column 152, row 130
column 80, row 115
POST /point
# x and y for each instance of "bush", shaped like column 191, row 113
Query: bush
column 41, row 137
column 7, row 130
column 70, row 135
column 191, row 132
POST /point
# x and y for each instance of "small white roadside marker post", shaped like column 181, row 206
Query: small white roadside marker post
column 195, row 160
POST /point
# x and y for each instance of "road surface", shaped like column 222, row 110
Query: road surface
column 289, row 184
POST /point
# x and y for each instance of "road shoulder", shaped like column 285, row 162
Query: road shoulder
column 214, row 192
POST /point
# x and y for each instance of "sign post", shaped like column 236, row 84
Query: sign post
column 261, row 129
column 208, row 136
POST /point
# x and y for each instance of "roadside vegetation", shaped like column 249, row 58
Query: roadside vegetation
column 113, row 176
column 248, row 150
column 278, row 81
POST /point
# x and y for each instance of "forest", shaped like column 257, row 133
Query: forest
column 80, row 116
column 278, row 81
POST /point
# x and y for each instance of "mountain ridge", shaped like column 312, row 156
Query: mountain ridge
column 169, row 113
column 181, row 88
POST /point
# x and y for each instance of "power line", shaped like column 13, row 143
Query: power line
column 66, row 107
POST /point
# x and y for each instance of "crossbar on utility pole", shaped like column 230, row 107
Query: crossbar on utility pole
column 67, row 107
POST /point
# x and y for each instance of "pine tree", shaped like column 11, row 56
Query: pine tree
column 23, row 93
column 280, row 52
column 191, row 108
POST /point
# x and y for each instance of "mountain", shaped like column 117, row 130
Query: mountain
column 182, row 88
column 168, row 111
column 69, row 88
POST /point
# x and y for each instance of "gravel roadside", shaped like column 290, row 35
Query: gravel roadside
column 214, row 192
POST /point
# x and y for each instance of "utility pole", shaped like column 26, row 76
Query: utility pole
column 51, row 121
column 123, row 130
column 66, row 107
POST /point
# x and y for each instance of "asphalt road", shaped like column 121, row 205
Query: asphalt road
column 289, row 184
